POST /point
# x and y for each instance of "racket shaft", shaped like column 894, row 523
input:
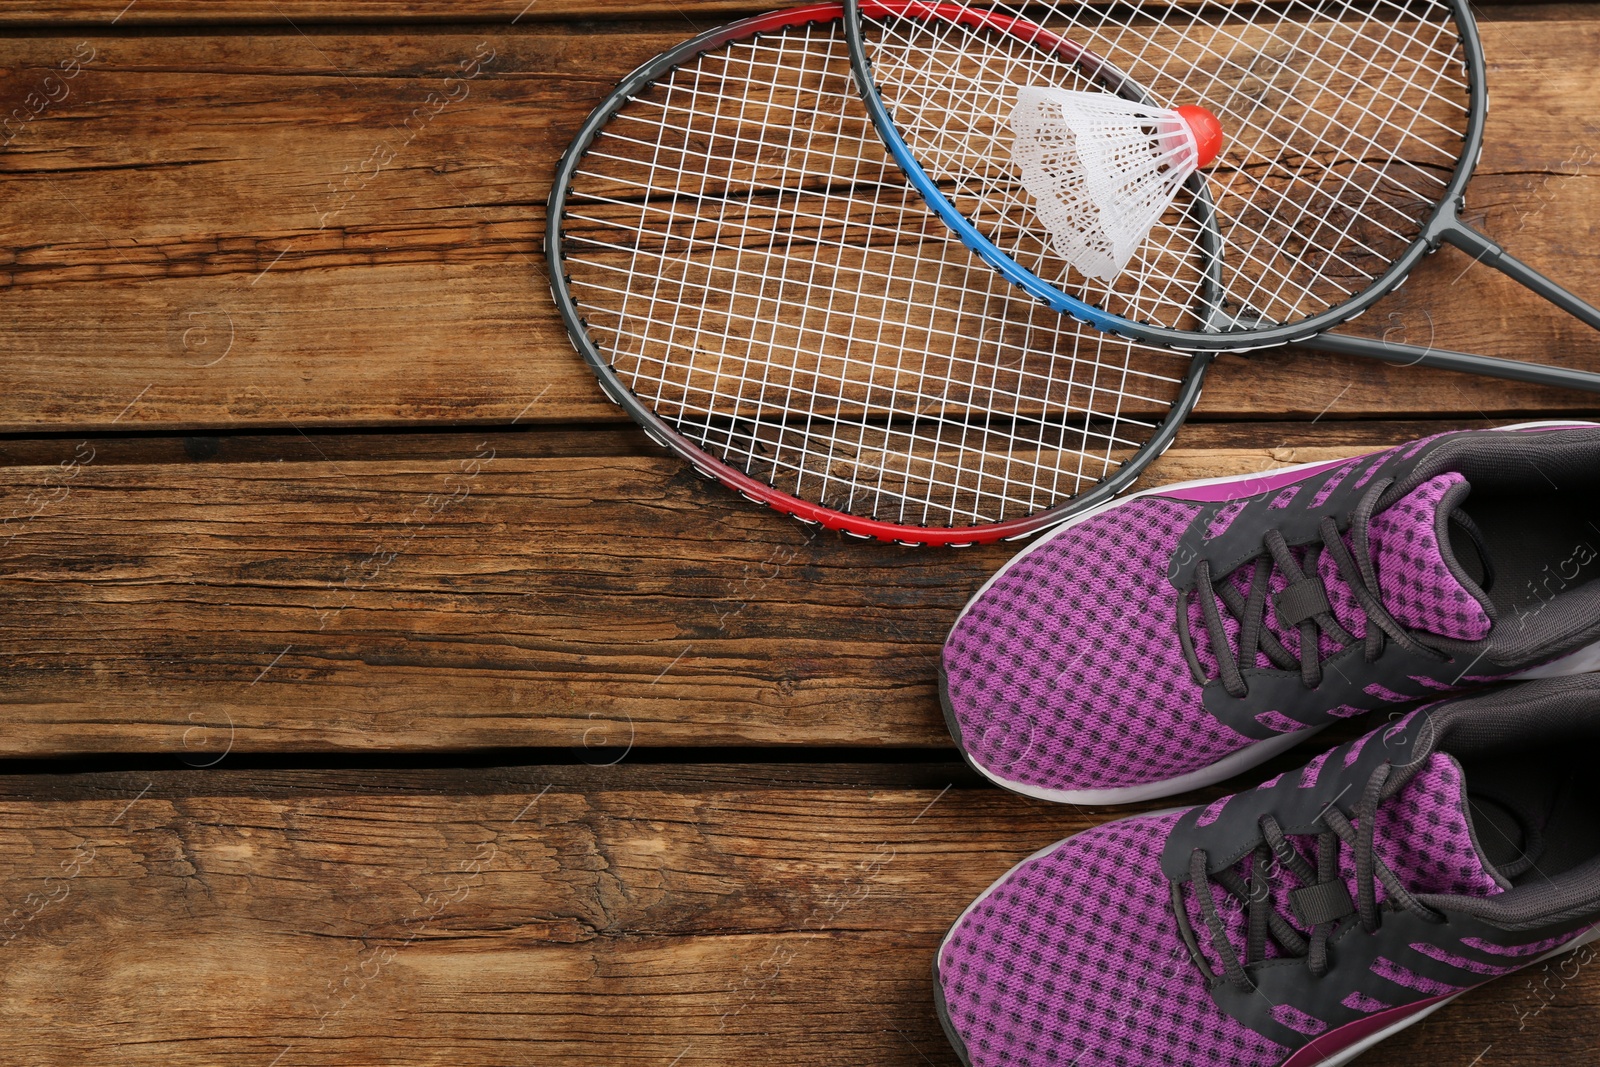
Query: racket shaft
column 1488, row 252
column 1418, row 355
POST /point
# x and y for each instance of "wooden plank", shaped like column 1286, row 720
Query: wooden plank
column 94, row 13
column 326, row 237
column 173, row 13
column 278, row 600
column 726, row 925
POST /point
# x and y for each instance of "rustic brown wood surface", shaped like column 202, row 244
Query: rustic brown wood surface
column 235, row 918
column 480, row 596
column 131, row 13
column 376, row 694
column 277, row 13
column 287, row 230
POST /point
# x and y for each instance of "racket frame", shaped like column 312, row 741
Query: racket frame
column 709, row 466
column 1221, row 332
column 1438, row 227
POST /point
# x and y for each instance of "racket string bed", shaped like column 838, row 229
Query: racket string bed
column 754, row 271
column 1345, row 123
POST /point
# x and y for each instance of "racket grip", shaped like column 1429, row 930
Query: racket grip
column 1444, row 359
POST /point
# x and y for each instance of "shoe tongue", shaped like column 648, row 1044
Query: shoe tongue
column 1425, row 834
column 1419, row 579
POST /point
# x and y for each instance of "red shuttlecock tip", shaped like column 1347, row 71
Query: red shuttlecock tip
column 1207, row 132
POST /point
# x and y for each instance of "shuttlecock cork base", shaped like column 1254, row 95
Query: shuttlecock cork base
column 1102, row 169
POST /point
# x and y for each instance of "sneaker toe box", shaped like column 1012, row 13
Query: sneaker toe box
column 1067, row 673
column 1073, row 958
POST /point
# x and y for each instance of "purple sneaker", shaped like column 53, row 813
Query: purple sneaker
column 1300, row 923
column 1176, row 637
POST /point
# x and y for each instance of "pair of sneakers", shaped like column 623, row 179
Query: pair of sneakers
column 1174, row 638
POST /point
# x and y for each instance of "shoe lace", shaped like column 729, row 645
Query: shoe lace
column 1303, row 602
column 1323, row 895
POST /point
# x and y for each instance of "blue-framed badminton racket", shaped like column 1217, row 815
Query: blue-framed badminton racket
column 1350, row 129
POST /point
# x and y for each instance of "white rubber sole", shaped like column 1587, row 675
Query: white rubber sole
column 1582, row 661
column 1220, row 771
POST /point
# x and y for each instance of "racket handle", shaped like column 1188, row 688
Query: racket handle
column 1444, row 359
column 1489, row 253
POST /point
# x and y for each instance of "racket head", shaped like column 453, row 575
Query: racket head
column 1255, row 302
column 761, row 290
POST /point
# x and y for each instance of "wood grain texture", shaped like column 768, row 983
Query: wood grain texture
column 273, row 230
column 231, row 244
column 173, row 13
column 727, row 925
column 293, row 602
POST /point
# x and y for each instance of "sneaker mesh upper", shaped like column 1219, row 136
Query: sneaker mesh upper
column 1417, row 586
column 1074, row 959
column 1067, row 672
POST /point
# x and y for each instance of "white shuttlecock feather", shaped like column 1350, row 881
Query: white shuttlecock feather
column 1102, row 169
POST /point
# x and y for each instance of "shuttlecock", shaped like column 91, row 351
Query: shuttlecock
column 1102, row 169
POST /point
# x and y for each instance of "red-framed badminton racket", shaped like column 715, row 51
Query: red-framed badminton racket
column 751, row 277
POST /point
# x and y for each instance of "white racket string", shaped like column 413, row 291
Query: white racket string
column 961, row 108
column 947, row 335
column 1343, row 121
column 755, row 268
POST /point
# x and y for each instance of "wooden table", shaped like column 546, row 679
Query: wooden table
column 376, row 694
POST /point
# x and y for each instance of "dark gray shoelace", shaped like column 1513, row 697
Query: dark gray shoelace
column 1322, row 887
column 1306, row 589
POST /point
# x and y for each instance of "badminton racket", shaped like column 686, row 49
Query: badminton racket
column 1352, row 127
column 749, row 274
